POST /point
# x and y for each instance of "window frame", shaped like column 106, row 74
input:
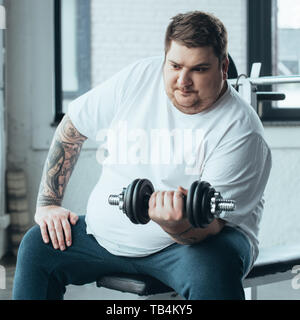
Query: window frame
column 83, row 56
column 261, row 22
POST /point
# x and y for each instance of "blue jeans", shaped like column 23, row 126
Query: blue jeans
column 212, row 269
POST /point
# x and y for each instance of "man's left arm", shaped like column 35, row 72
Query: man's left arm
column 239, row 169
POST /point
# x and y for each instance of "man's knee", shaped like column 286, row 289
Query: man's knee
column 32, row 244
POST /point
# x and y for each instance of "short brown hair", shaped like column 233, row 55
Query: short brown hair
column 198, row 29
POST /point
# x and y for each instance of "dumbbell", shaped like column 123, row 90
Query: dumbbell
column 202, row 203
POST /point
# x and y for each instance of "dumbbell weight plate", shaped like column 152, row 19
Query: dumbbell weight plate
column 189, row 203
column 206, row 217
column 139, row 204
column 198, row 210
column 128, row 196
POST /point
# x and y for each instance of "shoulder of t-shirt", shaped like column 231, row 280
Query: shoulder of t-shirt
column 244, row 115
column 142, row 65
column 138, row 75
column 240, row 122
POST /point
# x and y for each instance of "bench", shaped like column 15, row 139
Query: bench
column 274, row 264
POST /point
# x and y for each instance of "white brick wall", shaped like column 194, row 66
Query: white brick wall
column 125, row 30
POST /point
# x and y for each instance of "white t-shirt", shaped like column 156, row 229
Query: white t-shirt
column 142, row 135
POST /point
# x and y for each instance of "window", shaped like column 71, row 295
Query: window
column 72, row 52
column 273, row 39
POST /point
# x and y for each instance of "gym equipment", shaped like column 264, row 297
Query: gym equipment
column 248, row 87
column 202, row 203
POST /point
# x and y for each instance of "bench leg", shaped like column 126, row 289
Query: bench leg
column 251, row 293
column 254, row 293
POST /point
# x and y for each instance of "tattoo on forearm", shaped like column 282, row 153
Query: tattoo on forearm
column 183, row 240
column 181, row 237
column 62, row 157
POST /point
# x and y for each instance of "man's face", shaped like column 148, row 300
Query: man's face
column 194, row 79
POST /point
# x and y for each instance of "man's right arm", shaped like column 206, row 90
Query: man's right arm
column 62, row 157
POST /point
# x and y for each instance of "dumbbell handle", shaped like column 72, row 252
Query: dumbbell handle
column 218, row 204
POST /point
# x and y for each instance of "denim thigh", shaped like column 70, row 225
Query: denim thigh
column 211, row 269
column 42, row 272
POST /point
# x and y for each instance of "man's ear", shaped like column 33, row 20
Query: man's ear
column 225, row 65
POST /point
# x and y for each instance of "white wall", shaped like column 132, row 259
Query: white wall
column 29, row 73
column 281, row 220
column 124, row 30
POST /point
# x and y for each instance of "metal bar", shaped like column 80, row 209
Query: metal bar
column 270, row 96
column 269, row 80
column 275, row 80
column 268, row 278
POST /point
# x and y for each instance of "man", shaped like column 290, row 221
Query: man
column 215, row 136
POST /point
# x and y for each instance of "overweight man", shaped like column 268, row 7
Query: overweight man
column 209, row 133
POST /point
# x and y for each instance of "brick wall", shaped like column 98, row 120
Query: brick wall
column 125, row 30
